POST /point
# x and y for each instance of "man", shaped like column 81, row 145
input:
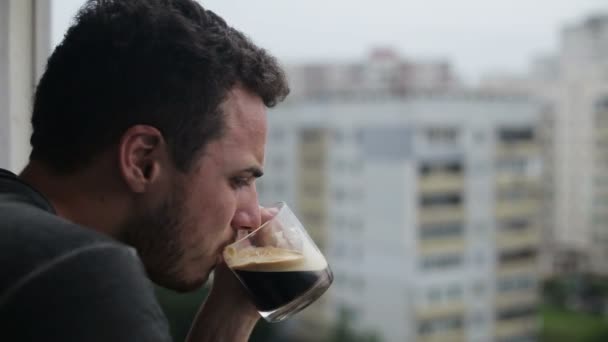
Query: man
column 148, row 134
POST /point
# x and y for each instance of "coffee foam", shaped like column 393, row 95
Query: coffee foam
column 273, row 259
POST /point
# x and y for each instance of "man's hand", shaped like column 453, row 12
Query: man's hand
column 228, row 314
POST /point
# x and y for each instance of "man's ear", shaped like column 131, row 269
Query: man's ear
column 142, row 153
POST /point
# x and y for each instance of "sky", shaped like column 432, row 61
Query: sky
column 476, row 36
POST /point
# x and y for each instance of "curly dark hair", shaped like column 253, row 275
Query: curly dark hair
column 164, row 63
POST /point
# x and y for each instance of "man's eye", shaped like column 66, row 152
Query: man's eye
column 239, row 182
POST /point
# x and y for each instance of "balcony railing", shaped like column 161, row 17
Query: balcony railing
column 441, row 214
column 441, row 182
column 530, row 236
column 527, row 297
column 455, row 308
column 519, row 208
column 443, row 336
column 520, row 149
column 523, row 267
column 442, row 245
column 516, row 327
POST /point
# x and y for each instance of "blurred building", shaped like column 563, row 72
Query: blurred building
column 383, row 72
column 574, row 85
column 427, row 208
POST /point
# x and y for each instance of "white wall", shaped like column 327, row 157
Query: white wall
column 24, row 47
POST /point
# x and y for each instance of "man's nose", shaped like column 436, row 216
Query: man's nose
column 247, row 214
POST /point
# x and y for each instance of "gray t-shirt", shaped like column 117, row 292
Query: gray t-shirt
column 63, row 282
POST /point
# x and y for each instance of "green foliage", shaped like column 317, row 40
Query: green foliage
column 561, row 325
column 343, row 331
column 180, row 310
column 574, row 309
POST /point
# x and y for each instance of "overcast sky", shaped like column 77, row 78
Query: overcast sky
column 476, row 36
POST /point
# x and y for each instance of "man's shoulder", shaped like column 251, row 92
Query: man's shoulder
column 63, row 282
column 31, row 238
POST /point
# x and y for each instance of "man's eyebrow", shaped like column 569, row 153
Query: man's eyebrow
column 255, row 171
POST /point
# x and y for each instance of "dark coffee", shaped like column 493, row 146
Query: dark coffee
column 275, row 277
column 271, row 290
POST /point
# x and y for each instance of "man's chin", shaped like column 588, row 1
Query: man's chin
column 185, row 284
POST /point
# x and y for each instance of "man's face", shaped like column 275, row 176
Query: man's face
column 180, row 239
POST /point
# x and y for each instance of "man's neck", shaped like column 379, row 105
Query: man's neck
column 80, row 197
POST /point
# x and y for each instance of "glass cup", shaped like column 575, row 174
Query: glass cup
column 280, row 266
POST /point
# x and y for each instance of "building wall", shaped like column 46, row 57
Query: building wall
column 571, row 84
column 415, row 207
column 24, row 47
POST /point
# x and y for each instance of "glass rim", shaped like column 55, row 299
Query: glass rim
column 280, row 205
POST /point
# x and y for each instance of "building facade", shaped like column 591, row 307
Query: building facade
column 427, row 209
column 574, row 85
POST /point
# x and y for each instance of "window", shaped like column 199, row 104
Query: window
column 445, row 166
column 441, row 262
column 310, row 135
column 517, row 312
column 480, row 258
column 514, row 135
column 517, row 255
column 479, row 288
column 444, row 199
column 518, row 283
column 387, row 143
column 441, row 135
column 478, row 318
column 441, row 324
column 517, row 224
column 526, row 337
column 441, row 231
column 512, row 165
column 515, row 193
column 454, row 293
column 434, row 295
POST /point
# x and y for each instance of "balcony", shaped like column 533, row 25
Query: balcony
column 518, row 149
column 527, row 297
column 442, row 246
column 516, row 327
column 518, row 268
column 529, row 237
column 441, row 182
column 519, row 208
column 455, row 308
column 508, row 180
column 441, row 323
column 443, row 336
column 442, row 214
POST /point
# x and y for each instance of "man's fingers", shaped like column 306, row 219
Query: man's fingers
column 268, row 213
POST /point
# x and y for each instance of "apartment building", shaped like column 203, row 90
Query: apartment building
column 383, row 71
column 574, row 85
column 427, row 208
